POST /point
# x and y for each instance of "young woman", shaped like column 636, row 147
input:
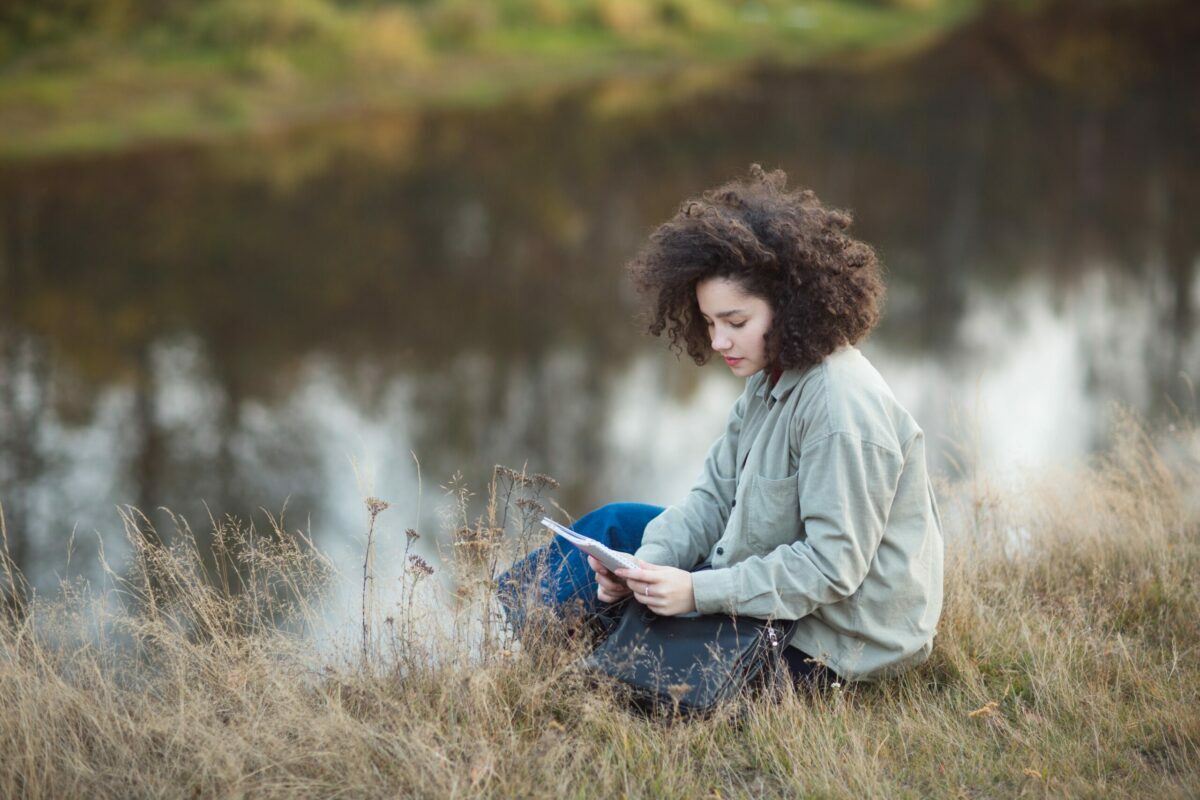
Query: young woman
column 815, row 504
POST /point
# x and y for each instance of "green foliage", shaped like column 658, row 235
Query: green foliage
column 456, row 22
column 32, row 24
column 297, row 57
column 242, row 23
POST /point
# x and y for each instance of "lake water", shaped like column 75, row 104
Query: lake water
column 312, row 317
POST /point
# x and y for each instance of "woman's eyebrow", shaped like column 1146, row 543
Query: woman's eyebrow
column 723, row 314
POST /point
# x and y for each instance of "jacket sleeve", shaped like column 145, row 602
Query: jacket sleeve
column 684, row 534
column 845, row 487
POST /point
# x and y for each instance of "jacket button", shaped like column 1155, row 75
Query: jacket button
column 733, row 504
column 720, row 551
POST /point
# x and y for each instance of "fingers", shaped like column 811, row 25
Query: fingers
column 609, row 589
column 611, row 584
column 645, row 574
column 638, row 580
column 648, row 593
column 665, row 590
column 610, row 597
column 666, row 606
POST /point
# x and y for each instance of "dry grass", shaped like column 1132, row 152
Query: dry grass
column 1066, row 665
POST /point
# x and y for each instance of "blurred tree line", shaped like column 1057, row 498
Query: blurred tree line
column 31, row 25
column 78, row 75
column 28, row 24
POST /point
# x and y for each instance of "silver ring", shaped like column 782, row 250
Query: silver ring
column 647, row 590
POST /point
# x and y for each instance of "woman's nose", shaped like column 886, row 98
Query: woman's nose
column 720, row 342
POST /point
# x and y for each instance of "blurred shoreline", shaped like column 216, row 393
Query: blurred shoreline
column 72, row 85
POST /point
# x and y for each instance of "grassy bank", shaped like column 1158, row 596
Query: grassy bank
column 1066, row 665
column 107, row 75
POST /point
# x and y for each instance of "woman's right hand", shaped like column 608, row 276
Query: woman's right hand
column 611, row 588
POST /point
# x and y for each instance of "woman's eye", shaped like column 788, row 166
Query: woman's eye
column 741, row 324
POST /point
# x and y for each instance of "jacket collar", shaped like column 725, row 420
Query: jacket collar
column 788, row 380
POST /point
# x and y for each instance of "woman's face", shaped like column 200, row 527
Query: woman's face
column 737, row 324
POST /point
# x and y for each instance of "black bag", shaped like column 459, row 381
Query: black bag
column 690, row 663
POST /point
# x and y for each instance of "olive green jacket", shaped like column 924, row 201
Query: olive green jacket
column 816, row 505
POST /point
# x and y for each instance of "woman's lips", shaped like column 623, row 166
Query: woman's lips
column 733, row 362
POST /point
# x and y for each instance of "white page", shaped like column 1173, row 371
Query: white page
column 613, row 559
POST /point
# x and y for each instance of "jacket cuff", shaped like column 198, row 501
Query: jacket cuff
column 713, row 590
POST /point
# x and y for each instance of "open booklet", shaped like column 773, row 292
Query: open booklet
column 613, row 559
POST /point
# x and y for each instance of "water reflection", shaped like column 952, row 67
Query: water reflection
column 232, row 328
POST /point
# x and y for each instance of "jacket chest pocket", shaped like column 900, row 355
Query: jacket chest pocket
column 773, row 513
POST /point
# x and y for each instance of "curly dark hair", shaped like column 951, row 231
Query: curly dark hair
column 825, row 288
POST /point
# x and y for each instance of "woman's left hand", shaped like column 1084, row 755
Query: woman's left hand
column 664, row 590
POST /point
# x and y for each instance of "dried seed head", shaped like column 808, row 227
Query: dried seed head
column 678, row 690
column 988, row 709
column 375, row 506
column 530, row 506
column 419, row 566
column 540, row 481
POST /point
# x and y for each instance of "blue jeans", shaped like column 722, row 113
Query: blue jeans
column 564, row 581
column 563, row 578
